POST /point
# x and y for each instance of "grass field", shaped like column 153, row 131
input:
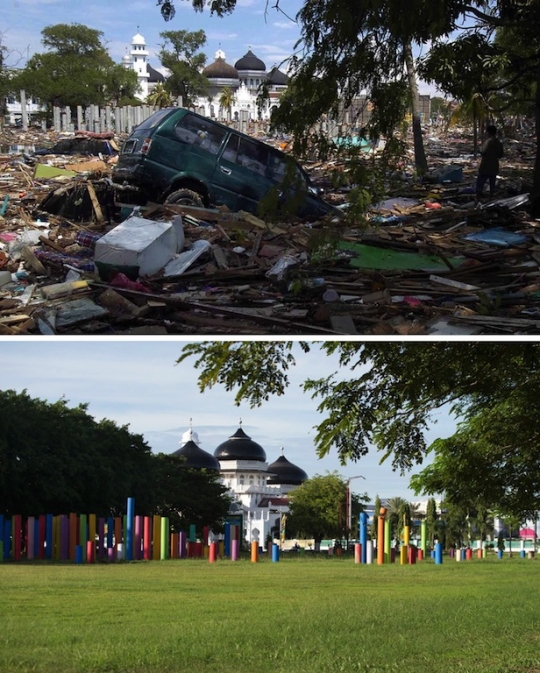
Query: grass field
column 314, row 614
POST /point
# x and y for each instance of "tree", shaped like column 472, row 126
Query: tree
column 227, row 100
column 431, row 521
column 180, row 55
column 57, row 460
column 384, row 395
column 317, row 508
column 76, row 69
column 159, row 97
column 189, row 496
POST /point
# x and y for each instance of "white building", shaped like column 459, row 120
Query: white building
column 243, row 79
column 259, row 489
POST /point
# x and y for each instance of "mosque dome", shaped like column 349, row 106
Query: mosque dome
column 154, row 75
column 250, row 62
column 240, row 447
column 195, row 457
column 220, row 69
column 282, row 471
column 275, row 76
column 138, row 39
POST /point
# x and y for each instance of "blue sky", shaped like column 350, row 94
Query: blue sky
column 254, row 24
column 269, row 33
column 138, row 383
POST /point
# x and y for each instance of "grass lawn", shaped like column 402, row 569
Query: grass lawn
column 305, row 615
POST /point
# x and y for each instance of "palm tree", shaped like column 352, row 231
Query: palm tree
column 396, row 507
column 159, row 97
column 227, row 100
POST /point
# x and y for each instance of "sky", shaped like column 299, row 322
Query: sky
column 255, row 24
column 138, row 383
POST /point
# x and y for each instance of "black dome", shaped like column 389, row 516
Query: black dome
column 240, row 447
column 155, row 75
column 249, row 62
column 275, row 76
column 283, row 471
column 220, row 70
column 197, row 458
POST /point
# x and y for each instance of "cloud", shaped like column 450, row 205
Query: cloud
column 286, row 25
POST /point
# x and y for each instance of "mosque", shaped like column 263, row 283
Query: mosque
column 243, row 79
column 259, row 489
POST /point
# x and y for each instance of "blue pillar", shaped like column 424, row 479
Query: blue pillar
column 227, row 542
column 500, row 553
column 275, row 553
column 48, row 536
column 438, row 553
column 129, row 528
column 78, row 554
column 110, row 531
column 7, row 538
column 363, row 535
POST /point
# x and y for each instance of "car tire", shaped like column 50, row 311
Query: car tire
column 185, row 197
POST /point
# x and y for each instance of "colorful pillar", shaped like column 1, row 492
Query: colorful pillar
column 363, row 535
column 182, row 539
column 423, row 537
column 387, row 540
column 7, row 539
column 110, row 532
column 42, row 531
column 72, row 535
column 369, row 552
column 49, row 536
column 139, row 523
column 254, row 551
column 147, row 538
column 118, row 539
column 156, row 527
column 83, row 533
column 275, row 553
column 101, row 537
column 130, row 520
column 64, row 543
column 90, row 551
column 438, row 553
column 164, row 547
column 380, row 536
column 92, row 529
column 17, row 536
column 30, row 538
column 403, row 554
column 358, row 553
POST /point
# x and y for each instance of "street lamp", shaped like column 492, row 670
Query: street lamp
column 349, row 502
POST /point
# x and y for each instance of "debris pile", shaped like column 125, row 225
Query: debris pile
column 75, row 260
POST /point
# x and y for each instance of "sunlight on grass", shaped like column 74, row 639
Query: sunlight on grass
column 313, row 615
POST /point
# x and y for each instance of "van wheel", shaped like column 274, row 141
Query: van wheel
column 185, row 197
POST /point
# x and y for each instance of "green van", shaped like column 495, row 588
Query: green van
column 178, row 156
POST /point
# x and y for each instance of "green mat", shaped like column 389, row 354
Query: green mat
column 371, row 257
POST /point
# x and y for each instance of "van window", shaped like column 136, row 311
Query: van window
column 253, row 156
column 200, row 132
column 282, row 168
column 231, row 149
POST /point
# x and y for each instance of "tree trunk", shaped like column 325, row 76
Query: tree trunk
column 420, row 160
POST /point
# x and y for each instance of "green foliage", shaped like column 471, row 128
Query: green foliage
column 384, row 395
column 159, row 97
column 188, row 496
column 55, row 459
column 76, row 69
column 431, row 521
column 181, row 56
column 318, row 508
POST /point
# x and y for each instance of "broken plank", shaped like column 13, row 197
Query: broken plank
column 95, row 203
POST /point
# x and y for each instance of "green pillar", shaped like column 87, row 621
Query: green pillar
column 164, row 538
column 423, row 527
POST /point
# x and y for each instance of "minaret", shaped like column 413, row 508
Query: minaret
column 139, row 58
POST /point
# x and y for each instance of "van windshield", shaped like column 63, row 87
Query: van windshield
column 154, row 119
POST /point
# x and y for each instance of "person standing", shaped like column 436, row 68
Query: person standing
column 491, row 151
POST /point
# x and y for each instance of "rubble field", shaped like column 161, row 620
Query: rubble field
column 76, row 259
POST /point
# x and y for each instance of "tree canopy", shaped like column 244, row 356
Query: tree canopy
column 56, row 459
column 318, row 508
column 76, row 69
column 384, row 396
column 181, row 56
